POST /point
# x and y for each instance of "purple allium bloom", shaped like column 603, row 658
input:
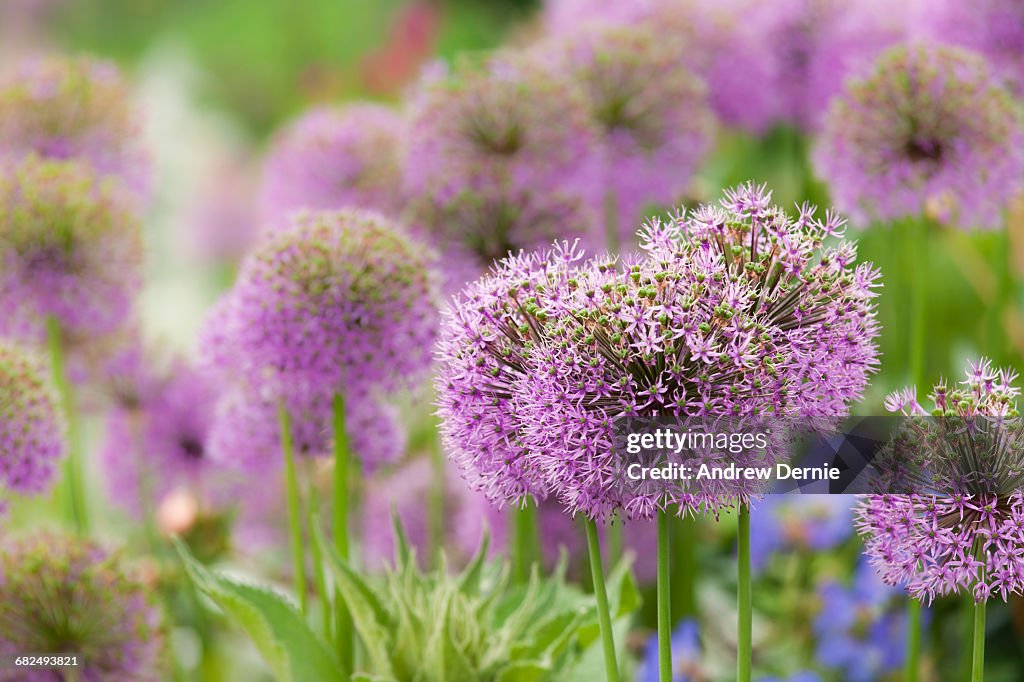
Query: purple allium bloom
column 73, row 108
column 222, row 223
column 732, row 310
column 813, row 45
column 332, row 158
column 69, row 249
column 803, row 522
column 486, row 336
column 31, row 424
column 995, row 28
column 859, row 632
column 651, row 111
column 499, row 156
column 929, row 131
column 339, row 302
column 965, row 533
column 159, row 443
column 62, row 595
column 686, row 655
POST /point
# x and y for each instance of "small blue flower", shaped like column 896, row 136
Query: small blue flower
column 685, row 655
column 859, row 631
column 802, row 676
column 811, row 522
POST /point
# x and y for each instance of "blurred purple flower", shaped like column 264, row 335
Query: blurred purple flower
column 733, row 310
column 334, row 158
column 69, row 250
column 686, row 655
column 64, row 595
column 968, row 535
column 651, row 112
column 32, row 429
column 802, row 676
column 74, row 108
column 500, row 156
column 859, row 631
column 929, row 131
column 798, row 522
column 223, row 223
column 339, row 302
column 995, row 28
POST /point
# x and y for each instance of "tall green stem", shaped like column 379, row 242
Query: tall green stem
column 291, row 489
column 525, row 547
column 910, row 664
column 616, row 543
column 318, row 558
column 74, row 490
column 342, row 498
column 916, row 254
column 978, row 667
column 744, row 598
column 664, row 600
column 684, row 567
column 601, row 595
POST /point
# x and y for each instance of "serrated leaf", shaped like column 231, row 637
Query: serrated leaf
column 370, row 618
column 290, row 647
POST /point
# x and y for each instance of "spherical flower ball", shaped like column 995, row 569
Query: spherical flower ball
column 486, row 336
column 246, row 429
column 736, row 310
column 995, row 28
column 60, row 595
column 74, row 108
column 963, row 531
column 651, row 111
column 32, row 428
column 334, row 157
column 337, row 301
column 70, row 250
column 499, row 156
column 929, row 131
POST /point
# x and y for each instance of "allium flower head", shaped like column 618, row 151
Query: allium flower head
column 498, row 156
column 960, row 529
column 860, row 629
column 650, row 109
column 995, row 28
column 930, row 130
column 735, row 310
column 69, row 249
column 337, row 301
column 332, row 158
column 62, row 596
column 31, row 424
column 73, row 108
column 487, row 334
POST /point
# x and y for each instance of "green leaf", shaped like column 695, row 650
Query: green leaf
column 623, row 593
column 524, row 671
column 369, row 616
column 290, row 647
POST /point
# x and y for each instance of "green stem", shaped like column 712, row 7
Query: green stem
column 664, row 600
column 525, row 542
column 342, row 498
column 744, row 598
column 318, row 558
column 910, row 665
column 916, row 254
column 291, row 488
column 601, row 595
column 684, row 567
column 978, row 668
column 611, row 222
column 616, row 544
column 74, row 490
